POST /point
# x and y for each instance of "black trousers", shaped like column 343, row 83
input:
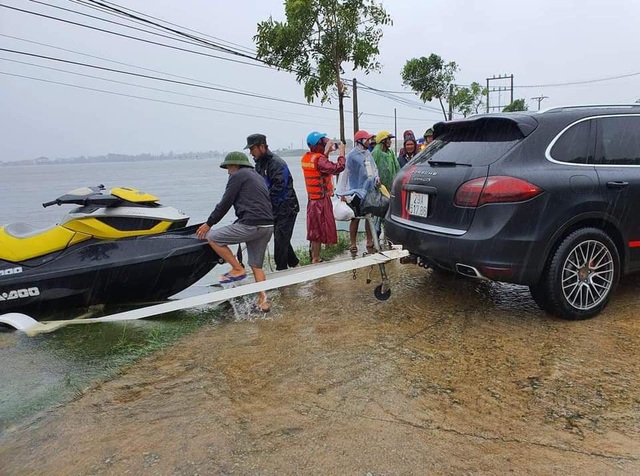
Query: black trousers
column 283, row 253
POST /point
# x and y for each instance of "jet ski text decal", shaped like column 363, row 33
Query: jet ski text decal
column 19, row 294
column 10, row 271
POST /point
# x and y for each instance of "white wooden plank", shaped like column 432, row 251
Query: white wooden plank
column 274, row 281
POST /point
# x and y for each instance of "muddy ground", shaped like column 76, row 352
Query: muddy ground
column 450, row 376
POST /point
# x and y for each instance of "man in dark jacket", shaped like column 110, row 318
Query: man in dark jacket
column 284, row 201
column 248, row 195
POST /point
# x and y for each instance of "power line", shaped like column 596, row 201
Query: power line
column 399, row 100
column 122, row 63
column 403, row 101
column 154, row 89
column 169, row 91
column 391, row 96
column 194, row 43
column 573, row 83
column 148, row 99
column 156, row 100
column 134, row 37
column 146, row 76
column 120, row 13
column 185, row 83
column 250, row 51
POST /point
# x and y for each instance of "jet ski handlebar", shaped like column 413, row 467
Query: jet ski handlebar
column 85, row 196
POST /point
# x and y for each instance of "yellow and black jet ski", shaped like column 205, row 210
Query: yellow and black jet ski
column 120, row 246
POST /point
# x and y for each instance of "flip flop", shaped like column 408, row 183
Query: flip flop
column 227, row 278
column 259, row 308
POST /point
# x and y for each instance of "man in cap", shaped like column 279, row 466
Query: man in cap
column 318, row 174
column 284, row 201
column 248, row 194
column 385, row 159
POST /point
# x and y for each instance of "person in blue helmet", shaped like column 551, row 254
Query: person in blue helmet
column 318, row 179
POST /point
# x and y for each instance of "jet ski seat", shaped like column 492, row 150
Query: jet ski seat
column 22, row 230
column 21, row 241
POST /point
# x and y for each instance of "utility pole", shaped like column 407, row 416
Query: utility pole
column 498, row 89
column 511, row 89
column 395, row 129
column 356, row 116
column 451, row 102
column 487, row 95
column 540, row 99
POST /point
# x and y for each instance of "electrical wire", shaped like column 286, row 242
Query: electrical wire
column 248, row 50
column 190, row 84
column 150, row 99
column 124, row 64
column 146, row 76
column 232, row 60
column 574, row 83
column 401, row 101
column 190, row 42
column 120, row 13
column 157, row 89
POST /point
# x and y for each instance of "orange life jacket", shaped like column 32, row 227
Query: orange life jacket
column 318, row 185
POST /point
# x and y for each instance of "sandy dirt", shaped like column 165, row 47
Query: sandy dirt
column 450, row 376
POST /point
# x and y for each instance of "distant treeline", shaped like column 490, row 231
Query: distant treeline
column 109, row 158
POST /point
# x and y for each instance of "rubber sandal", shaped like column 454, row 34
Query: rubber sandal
column 227, row 278
column 259, row 308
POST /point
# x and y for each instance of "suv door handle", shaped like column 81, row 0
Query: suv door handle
column 617, row 184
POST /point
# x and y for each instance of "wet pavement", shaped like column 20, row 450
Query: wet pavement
column 450, row 376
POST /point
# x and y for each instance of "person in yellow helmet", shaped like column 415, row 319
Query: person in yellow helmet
column 385, row 159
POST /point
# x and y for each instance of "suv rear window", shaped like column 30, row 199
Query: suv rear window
column 619, row 140
column 574, row 144
column 478, row 143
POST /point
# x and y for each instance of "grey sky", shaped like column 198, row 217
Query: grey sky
column 539, row 42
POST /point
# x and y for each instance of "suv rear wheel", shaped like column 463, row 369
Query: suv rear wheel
column 580, row 277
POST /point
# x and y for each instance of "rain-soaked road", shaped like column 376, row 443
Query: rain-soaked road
column 450, row 376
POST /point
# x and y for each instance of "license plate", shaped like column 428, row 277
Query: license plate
column 418, row 204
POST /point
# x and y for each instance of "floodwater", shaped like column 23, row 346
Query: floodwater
column 449, row 376
column 38, row 372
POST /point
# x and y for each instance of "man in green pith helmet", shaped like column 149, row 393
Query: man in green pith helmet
column 248, row 194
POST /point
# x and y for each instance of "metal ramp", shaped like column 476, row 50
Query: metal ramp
column 276, row 280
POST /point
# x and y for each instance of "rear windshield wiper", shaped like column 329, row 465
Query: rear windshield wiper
column 445, row 163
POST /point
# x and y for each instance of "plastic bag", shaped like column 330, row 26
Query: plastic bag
column 375, row 202
column 342, row 211
column 342, row 185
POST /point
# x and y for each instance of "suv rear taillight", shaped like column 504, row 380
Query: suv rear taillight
column 494, row 189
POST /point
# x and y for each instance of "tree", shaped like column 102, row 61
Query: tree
column 429, row 77
column 468, row 100
column 318, row 38
column 516, row 105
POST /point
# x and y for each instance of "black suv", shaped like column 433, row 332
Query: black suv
column 549, row 199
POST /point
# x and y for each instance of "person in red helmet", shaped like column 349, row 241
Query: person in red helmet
column 362, row 176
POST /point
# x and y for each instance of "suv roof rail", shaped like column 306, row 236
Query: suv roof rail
column 588, row 106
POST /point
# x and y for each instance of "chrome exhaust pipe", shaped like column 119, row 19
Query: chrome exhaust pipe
column 469, row 271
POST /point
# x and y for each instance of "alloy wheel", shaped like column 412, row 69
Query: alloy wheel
column 587, row 275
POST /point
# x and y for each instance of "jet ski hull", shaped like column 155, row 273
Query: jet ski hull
column 128, row 270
